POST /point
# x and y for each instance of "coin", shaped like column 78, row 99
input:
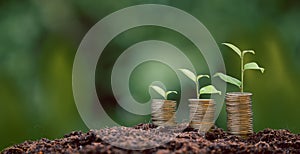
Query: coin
column 202, row 114
column 163, row 112
column 239, row 113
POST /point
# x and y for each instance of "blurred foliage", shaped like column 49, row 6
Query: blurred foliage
column 39, row 40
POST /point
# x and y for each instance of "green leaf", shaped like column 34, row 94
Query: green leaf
column 248, row 51
column 189, row 74
column 253, row 66
column 202, row 76
column 159, row 90
column 234, row 48
column 210, row 89
column 229, row 79
column 170, row 92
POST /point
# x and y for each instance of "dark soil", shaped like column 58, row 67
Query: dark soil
column 147, row 135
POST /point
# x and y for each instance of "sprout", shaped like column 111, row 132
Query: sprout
column 210, row 89
column 162, row 92
column 244, row 67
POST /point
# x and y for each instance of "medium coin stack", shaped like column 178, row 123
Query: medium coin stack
column 163, row 112
column 202, row 114
column 239, row 114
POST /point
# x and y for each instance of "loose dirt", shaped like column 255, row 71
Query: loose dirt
column 147, row 138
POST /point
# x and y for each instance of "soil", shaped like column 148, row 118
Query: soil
column 148, row 135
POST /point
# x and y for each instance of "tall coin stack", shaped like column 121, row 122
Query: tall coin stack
column 202, row 114
column 239, row 114
column 163, row 112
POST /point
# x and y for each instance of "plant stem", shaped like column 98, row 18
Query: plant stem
column 242, row 73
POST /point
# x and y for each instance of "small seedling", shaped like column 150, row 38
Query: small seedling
column 210, row 89
column 162, row 92
column 244, row 67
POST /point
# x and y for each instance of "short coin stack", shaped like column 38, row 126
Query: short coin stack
column 163, row 112
column 239, row 114
column 202, row 114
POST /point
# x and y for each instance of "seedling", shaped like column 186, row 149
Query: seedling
column 244, row 67
column 162, row 92
column 210, row 89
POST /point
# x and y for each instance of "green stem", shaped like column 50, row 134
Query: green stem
column 242, row 73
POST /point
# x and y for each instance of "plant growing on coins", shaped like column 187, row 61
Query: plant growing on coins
column 210, row 89
column 162, row 92
column 244, row 67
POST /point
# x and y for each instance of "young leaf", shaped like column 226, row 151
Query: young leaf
column 253, row 66
column 189, row 74
column 159, row 90
column 248, row 51
column 202, row 76
column 229, row 79
column 210, row 89
column 170, row 92
column 234, row 48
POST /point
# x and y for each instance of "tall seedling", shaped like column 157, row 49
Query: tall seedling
column 244, row 67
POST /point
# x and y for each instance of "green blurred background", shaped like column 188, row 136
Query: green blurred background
column 39, row 39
